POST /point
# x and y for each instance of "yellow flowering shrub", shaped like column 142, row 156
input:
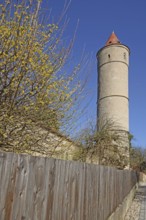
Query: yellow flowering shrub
column 32, row 88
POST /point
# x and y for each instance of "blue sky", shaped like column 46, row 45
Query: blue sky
column 97, row 20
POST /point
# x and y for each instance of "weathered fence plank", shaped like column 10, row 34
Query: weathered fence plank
column 34, row 188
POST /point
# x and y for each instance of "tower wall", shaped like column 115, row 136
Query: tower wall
column 113, row 102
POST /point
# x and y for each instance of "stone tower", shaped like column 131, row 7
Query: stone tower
column 113, row 101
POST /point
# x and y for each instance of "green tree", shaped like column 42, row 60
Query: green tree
column 138, row 158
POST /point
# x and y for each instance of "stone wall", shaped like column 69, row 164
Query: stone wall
column 48, row 143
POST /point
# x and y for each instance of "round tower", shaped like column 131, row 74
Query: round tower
column 113, row 62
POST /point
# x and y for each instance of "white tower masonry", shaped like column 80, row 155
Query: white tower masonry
column 113, row 101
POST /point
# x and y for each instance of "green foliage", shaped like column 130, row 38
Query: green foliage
column 138, row 159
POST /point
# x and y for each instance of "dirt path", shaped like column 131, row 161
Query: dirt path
column 137, row 211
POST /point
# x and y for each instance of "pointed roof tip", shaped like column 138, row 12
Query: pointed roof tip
column 113, row 39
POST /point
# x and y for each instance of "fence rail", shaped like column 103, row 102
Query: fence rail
column 35, row 188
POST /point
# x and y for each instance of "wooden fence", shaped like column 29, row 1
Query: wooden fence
column 34, row 188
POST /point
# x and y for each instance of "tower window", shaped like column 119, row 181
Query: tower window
column 109, row 55
column 124, row 56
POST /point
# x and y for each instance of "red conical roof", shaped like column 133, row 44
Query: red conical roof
column 112, row 39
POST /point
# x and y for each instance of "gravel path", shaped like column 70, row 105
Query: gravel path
column 135, row 210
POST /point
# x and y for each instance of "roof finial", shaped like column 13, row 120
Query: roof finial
column 112, row 39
